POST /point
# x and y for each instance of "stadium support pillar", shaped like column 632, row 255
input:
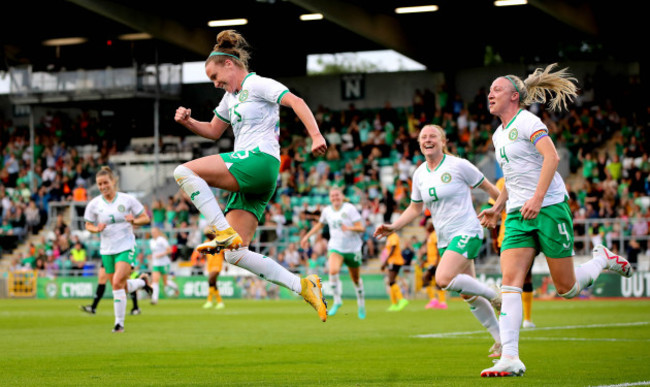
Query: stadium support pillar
column 32, row 186
column 156, row 127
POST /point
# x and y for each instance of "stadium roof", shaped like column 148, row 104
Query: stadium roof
column 456, row 36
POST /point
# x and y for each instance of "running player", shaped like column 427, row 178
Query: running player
column 443, row 183
column 539, row 218
column 344, row 246
column 160, row 250
column 113, row 215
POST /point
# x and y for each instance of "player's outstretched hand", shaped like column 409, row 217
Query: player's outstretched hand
column 383, row 230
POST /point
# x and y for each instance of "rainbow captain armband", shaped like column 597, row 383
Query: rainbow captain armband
column 538, row 135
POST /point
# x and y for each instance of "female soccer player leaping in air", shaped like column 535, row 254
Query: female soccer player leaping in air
column 251, row 106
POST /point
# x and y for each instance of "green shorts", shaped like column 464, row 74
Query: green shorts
column 551, row 232
column 110, row 260
column 164, row 269
column 257, row 175
column 465, row 245
column 352, row 260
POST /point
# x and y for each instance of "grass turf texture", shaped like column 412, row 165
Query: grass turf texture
column 51, row 342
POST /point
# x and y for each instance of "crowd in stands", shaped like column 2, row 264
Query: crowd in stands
column 371, row 156
column 52, row 171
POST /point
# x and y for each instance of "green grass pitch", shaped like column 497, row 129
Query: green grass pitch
column 264, row 343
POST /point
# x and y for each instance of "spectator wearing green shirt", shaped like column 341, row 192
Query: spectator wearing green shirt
column 588, row 165
column 158, row 213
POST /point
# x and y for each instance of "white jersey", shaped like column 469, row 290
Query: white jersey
column 446, row 192
column 118, row 235
column 342, row 241
column 254, row 114
column 159, row 245
column 521, row 162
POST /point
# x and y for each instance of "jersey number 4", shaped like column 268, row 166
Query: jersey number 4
column 502, row 153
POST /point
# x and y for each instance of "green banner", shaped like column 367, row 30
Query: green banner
column 84, row 287
column 607, row 285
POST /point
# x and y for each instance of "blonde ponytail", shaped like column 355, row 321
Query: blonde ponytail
column 560, row 85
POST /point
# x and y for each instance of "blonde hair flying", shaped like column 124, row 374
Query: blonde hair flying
column 560, row 85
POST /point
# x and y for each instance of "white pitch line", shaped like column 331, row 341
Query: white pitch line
column 468, row 333
column 579, row 339
column 645, row 383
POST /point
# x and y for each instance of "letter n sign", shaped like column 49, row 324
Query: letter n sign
column 353, row 86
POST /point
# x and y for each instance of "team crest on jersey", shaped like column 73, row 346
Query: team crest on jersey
column 446, row 177
column 513, row 134
column 121, row 208
column 243, row 95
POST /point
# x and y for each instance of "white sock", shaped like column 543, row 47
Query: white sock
column 587, row 273
column 172, row 284
column 484, row 313
column 134, row 284
column 265, row 267
column 335, row 283
column 510, row 320
column 119, row 306
column 156, row 292
column 201, row 195
column 361, row 298
column 470, row 286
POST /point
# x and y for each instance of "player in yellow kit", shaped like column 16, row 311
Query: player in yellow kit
column 213, row 266
column 394, row 262
column 437, row 298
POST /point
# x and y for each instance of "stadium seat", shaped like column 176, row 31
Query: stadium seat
column 386, row 161
column 315, row 200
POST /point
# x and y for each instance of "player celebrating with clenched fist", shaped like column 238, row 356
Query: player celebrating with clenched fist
column 251, row 107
